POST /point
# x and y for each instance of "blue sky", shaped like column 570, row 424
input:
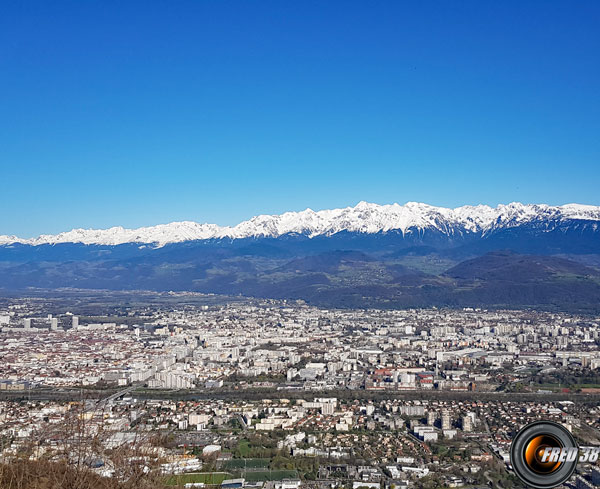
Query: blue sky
column 137, row 113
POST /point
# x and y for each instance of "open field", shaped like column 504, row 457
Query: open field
column 205, row 477
column 246, row 463
column 271, row 475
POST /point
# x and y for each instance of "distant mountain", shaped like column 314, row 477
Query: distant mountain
column 512, row 267
column 411, row 218
column 326, row 261
column 393, row 256
column 513, row 280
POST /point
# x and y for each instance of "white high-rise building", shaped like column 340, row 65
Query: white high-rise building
column 446, row 420
column 27, row 323
column 467, row 424
column 431, row 417
column 53, row 324
column 75, row 322
column 327, row 408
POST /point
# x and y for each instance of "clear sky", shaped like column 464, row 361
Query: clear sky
column 138, row 113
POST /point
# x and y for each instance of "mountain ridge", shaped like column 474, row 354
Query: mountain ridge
column 364, row 218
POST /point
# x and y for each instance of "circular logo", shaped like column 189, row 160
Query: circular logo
column 544, row 454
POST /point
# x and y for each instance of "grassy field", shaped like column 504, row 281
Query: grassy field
column 244, row 448
column 273, row 475
column 206, row 477
column 218, row 477
column 557, row 387
column 248, row 463
column 549, row 387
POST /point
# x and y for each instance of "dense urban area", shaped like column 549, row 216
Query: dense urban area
column 282, row 395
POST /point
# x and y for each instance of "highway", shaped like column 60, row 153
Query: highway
column 106, row 395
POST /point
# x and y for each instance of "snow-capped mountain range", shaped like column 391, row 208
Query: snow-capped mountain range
column 363, row 218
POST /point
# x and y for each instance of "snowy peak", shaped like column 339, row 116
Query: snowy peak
column 365, row 217
column 160, row 234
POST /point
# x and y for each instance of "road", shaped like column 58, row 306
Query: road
column 75, row 394
column 116, row 395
